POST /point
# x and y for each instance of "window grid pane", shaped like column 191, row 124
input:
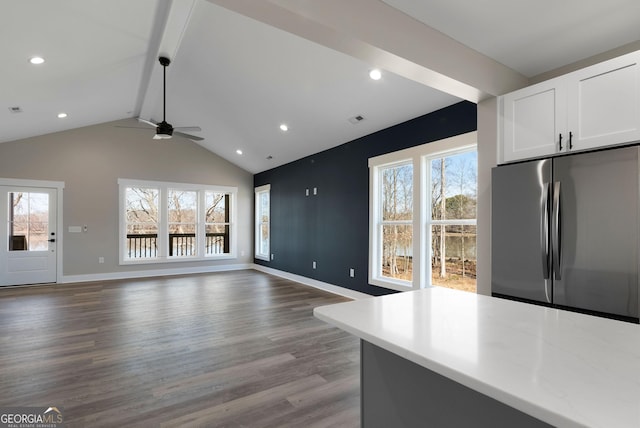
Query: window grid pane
column 141, row 222
column 217, row 225
column 454, row 186
column 453, row 261
column 397, row 192
column 182, row 212
column 397, row 251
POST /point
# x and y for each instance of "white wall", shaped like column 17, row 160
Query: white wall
column 90, row 160
column 487, row 156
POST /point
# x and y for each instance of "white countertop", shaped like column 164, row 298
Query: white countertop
column 564, row 368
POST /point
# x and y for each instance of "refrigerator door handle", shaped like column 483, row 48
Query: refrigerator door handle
column 544, row 230
column 556, row 232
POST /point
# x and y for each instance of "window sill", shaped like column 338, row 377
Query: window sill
column 391, row 284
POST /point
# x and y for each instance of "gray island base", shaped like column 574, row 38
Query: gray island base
column 396, row 392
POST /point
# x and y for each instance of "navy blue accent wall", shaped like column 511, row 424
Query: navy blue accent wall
column 332, row 227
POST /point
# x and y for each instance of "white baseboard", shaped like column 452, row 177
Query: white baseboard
column 66, row 279
column 335, row 289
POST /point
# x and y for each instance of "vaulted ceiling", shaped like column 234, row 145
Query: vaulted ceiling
column 241, row 68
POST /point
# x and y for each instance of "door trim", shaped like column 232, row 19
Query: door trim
column 59, row 187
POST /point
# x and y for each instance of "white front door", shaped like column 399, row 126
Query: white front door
column 28, row 235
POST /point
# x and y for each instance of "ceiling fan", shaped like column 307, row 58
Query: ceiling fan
column 165, row 130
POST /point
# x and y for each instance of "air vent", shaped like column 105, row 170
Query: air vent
column 356, row 119
column 15, row 109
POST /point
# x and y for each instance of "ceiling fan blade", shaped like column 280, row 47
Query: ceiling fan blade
column 188, row 128
column 131, row 127
column 189, row 136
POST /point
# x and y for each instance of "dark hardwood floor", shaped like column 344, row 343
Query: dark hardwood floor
column 231, row 349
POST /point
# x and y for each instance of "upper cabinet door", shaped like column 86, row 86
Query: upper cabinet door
column 604, row 103
column 534, row 118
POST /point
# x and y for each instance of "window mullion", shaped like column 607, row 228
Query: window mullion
column 201, row 238
column 425, row 225
column 416, row 265
column 163, row 224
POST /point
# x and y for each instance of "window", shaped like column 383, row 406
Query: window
column 173, row 221
column 141, row 216
column 396, row 222
column 452, row 224
column 423, row 216
column 217, row 222
column 263, row 215
column 182, row 219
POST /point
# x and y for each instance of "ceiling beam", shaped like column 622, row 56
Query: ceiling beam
column 385, row 37
column 172, row 19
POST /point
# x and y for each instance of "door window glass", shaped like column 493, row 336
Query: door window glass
column 28, row 224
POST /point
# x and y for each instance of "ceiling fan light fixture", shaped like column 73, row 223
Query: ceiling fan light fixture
column 165, row 130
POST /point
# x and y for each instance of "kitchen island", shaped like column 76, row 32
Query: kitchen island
column 447, row 358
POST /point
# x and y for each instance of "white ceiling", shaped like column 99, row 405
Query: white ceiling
column 532, row 36
column 239, row 77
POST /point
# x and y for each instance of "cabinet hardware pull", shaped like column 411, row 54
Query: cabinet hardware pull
column 560, row 141
column 570, row 138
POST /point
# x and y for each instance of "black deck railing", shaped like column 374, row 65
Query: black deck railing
column 145, row 245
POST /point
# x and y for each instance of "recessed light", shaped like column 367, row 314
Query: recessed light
column 284, row 127
column 36, row 60
column 239, row 151
column 62, row 115
column 375, row 74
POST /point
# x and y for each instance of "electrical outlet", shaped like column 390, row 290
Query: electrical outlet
column 352, row 273
column 314, row 265
column 100, row 259
column 272, row 256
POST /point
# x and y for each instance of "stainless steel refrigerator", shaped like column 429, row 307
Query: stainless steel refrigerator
column 565, row 232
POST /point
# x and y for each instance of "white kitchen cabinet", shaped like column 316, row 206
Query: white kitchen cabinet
column 534, row 118
column 604, row 103
column 597, row 106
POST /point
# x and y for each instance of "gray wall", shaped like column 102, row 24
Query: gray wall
column 90, row 160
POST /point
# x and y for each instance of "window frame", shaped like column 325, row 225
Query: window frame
column 420, row 157
column 163, row 226
column 258, row 191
